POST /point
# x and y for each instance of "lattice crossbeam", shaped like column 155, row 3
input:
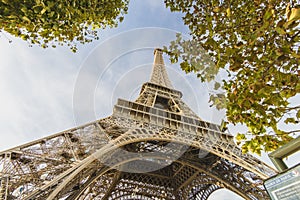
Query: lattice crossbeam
column 155, row 147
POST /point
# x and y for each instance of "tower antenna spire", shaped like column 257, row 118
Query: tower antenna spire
column 159, row 74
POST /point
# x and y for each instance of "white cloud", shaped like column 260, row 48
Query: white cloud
column 37, row 85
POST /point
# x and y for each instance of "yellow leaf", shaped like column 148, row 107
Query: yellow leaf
column 216, row 9
column 43, row 11
column 26, row 19
column 5, row 1
column 279, row 30
column 295, row 14
column 295, row 55
column 228, row 11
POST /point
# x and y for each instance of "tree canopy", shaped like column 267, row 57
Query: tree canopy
column 257, row 44
column 255, row 41
column 55, row 22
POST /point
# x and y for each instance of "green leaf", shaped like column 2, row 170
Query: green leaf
column 26, row 19
column 290, row 120
column 24, row 9
column 24, row 37
column 255, row 45
column 279, row 30
column 240, row 137
column 43, row 10
column 268, row 14
column 217, row 85
column 5, row 1
column 60, row 22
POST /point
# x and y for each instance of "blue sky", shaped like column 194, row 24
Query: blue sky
column 44, row 91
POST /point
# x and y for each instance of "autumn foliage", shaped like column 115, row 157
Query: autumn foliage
column 257, row 44
column 60, row 22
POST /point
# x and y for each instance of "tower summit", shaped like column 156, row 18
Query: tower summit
column 159, row 74
column 131, row 155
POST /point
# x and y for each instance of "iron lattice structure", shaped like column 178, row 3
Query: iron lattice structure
column 130, row 155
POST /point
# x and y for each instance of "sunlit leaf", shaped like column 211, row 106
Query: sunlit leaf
column 60, row 22
column 256, row 43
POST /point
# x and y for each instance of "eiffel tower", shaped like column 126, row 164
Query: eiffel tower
column 153, row 148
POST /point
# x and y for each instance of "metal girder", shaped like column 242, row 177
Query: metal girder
column 120, row 159
column 278, row 155
column 147, row 149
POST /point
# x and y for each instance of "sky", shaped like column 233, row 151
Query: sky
column 45, row 91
